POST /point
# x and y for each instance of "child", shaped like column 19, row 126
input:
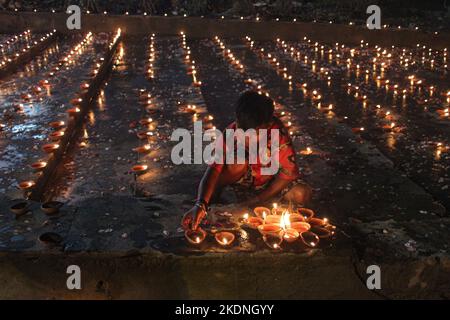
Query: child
column 253, row 111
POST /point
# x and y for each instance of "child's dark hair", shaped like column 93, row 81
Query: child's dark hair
column 253, row 110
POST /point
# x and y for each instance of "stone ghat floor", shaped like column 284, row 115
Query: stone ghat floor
column 382, row 216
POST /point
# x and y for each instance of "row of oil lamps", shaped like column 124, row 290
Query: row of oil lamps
column 193, row 109
column 257, row 19
column 10, row 59
column 60, row 126
column 148, row 134
column 276, row 225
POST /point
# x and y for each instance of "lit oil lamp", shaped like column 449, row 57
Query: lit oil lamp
column 273, row 219
column 270, row 229
column 273, row 241
column 57, row 124
column 144, row 134
column 25, row 185
column 50, row 147
column 318, row 221
column 39, row 165
column 73, row 111
column 143, row 149
column 290, row 235
column 146, row 121
column 26, row 96
column 300, row 226
column 195, row 237
column 253, row 222
column 307, row 151
column 261, row 212
column 76, row 101
column 310, row 239
column 306, row 213
column 55, row 136
column 224, row 238
column 296, row 217
column 139, row 168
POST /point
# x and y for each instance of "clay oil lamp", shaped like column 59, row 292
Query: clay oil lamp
column 224, row 238
column 146, row 121
column 25, row 185
column 84, row 86
column 44, row 83
column 318, row 222
column 37, row 90
column 310, row 239
column 261, row 212
column 270, row 229
column 277, row 210
column 300, row 226
column 57, row 124
column 51, row 207
column 197, row 83
column 57, row 135
column 272, row 219
column 139, row 168
column 195, row 237
column 20, row 208
column 358, row 130
column 50, row 238
column 322, row 232
column 39, row 165
column 50, row 147
column 253, row 222
column 26, row 96
column 73, row 111
column 143, row 149
column 296, row 217
column 76, row 101
column 306, row 213
column 273, row 241
column 290, row 235
column 306, row 152
column 144, row 134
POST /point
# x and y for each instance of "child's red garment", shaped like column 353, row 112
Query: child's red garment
column 287, row 166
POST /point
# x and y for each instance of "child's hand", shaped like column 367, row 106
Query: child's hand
column 193, row 217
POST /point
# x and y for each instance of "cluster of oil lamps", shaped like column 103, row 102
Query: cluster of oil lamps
column 276, row 225
column 60, row 126
column 190, row 63
column 11, row 58
column 148, row 133
column 414, row 83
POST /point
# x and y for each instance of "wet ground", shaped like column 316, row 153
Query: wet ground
column 386, row 189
